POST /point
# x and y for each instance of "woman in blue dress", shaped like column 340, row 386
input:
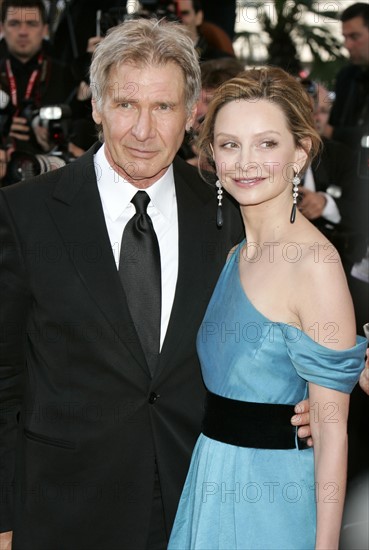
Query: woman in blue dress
column 279, row 327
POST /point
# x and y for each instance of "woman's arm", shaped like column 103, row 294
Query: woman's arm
column 6, row 540
column 325, row 304
column 364, row 377
column 329, row 411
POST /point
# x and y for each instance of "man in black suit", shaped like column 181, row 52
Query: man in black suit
column 329, row 187
column 349, row 117
column 98, row 438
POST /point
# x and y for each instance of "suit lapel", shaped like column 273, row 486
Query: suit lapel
column 77, row 211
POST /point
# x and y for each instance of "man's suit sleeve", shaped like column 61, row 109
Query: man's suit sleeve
column 14, row 305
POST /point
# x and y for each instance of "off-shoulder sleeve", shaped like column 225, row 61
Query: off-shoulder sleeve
column 335, row 369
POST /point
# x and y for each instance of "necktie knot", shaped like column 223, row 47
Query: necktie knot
column 141, row 201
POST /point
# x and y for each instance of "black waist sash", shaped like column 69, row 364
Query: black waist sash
column 246, row 424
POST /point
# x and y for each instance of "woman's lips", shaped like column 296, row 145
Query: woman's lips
column 248, row 182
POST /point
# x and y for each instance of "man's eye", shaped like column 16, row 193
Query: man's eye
column 164, row 107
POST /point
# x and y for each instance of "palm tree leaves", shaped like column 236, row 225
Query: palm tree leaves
column 286, row 27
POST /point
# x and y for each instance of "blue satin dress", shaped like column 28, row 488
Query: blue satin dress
column 247, row 498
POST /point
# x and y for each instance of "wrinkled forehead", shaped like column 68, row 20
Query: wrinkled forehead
column 23, row 14
column 137, row 81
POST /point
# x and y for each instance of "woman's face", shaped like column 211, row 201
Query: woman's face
column 254, row 151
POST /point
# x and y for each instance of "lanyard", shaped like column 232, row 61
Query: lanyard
column 13, row 84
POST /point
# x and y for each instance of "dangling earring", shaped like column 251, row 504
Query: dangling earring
column 219, row 208
column 295, row 193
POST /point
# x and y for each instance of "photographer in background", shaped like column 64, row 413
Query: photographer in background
column 29, row 77
column 210, row 41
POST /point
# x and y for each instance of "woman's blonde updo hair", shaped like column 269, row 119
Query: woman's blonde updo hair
column 271, row 84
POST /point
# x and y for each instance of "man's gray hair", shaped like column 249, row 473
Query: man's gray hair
column 144, row 43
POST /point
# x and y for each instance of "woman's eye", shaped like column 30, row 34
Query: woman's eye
column 229, row 145
column 268, row 144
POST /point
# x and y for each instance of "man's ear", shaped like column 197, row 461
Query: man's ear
column 199, row 18
column 95, row 113
column 191, row 118
column 45, row 33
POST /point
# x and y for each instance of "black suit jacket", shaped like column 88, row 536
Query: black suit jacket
column 336, row 166
column 350, row 111
column 83, row 422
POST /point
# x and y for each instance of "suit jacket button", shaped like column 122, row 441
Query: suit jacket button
column 153, row 397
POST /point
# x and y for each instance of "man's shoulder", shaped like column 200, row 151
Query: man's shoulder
column 184, row 167
column 347, row 73
column 204, row 183
column 203, row 187
column 335, row 149
column 188, row 175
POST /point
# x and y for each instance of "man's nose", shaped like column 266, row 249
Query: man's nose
column 23, row 27
column 348, row 43
column 144, row 126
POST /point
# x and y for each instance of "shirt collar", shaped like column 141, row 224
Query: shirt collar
column 28, row 66
column 116, row 192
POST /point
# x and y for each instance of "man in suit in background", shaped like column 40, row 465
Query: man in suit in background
column 100, row 409
column 349, row 117
column 327, row 196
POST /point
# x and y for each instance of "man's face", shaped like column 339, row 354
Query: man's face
column 23, row 31
column 144, row 119
column 189, row 17
column 322, row 109
column 202, row 105
column 356, row 36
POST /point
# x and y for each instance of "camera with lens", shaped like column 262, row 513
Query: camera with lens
column 27, row 110
column 56, row 118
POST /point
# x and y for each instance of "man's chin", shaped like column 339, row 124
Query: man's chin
column 143, row 178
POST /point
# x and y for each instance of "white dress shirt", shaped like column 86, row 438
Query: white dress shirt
column 330, row 211
column 116, row 194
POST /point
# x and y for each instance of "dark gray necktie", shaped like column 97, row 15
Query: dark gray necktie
column 140, row 273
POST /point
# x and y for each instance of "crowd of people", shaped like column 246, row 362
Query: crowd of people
column 31, row 78
column 182, row 303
